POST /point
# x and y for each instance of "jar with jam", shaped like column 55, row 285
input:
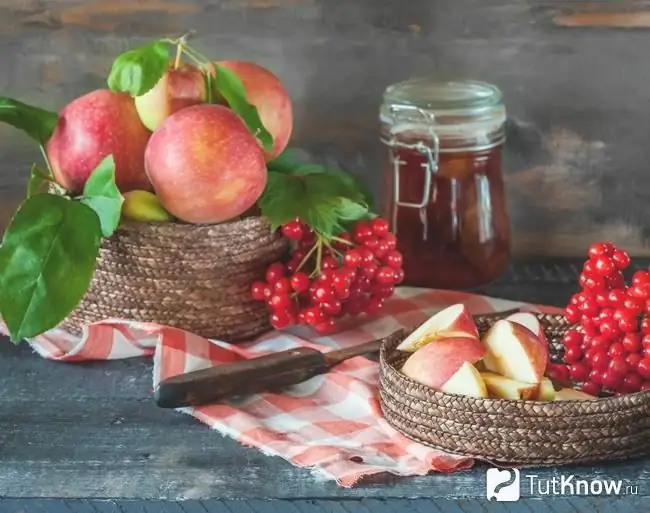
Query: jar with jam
column 443, row 190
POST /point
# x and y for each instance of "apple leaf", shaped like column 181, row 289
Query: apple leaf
column 38, row 177
column 230, row 86
column 319, row 199
column 139, row 70
column 37, row 123
column 47, row 260
column 103, row 197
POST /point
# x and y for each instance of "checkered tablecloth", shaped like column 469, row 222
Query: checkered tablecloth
column 331, row 424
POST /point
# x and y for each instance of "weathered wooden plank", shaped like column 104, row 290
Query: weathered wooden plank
column 576, row 153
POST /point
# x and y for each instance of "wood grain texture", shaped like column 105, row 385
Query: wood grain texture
column 87, row 433
column 573, row 73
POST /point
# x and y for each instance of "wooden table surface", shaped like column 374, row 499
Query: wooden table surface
column 89, row 438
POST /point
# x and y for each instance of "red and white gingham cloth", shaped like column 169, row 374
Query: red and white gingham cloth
column 331, row 424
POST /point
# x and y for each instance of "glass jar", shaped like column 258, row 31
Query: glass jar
column 443, row 191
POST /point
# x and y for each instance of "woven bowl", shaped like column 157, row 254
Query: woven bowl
column 521, row 433
column 193, row 277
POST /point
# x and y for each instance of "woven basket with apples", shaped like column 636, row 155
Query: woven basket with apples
column 171, row 197
column 528, row 388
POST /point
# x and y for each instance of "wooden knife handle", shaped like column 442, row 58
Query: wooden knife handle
column 262, row 374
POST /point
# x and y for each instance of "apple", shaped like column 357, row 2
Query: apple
column 435, row 365
column 570, row 394
column 466, row 381
column 144, row 206
column 515, row 352
column 266, row 92
column 177, row 89
column 546, row 390
column 452, row 322
column 506, row 388
column 89, row 129
column 530, row 321
column 205, row 165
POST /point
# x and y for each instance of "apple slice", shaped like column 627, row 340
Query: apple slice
column 506, row 388
column 466, row 381
column 453, row 322
column 546, row 390
column 436, row 364
column 530, row 321
column 515, row 352
column 570, row 394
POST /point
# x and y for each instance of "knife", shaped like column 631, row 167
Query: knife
column 263, row 374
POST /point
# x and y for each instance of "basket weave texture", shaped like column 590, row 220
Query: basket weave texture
column 193, row 277
column 521, row 433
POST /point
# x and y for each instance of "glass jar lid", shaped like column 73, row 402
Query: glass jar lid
column 455, row 110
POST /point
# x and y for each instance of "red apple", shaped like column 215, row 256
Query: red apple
column 466, row 381
column 530, row 321
column 89, row 129
column 205, row 165
column 436, row 364
column 265, row 91
column 452, row 322
column 178, row 88
column 515, row 352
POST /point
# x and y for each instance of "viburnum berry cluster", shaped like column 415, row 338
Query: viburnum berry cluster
column 609, row 347
column 327, row 278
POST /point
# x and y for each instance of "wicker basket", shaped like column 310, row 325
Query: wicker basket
column 193, row 277
column 521, row 433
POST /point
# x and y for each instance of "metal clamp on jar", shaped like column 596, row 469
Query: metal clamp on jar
column 443, row 187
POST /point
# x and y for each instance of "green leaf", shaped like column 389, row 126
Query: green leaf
column 47, row 260
column 38, row 177
column 230, row 86
column 318, row 199
column 288, row 160
column 102, row 195
column 139, row 70
column 37, row 123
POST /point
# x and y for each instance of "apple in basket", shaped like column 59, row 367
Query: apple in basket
column 454, row 321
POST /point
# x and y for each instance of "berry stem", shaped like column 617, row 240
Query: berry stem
column 333, row 249
column 319, row 255
column 304, row 260
column 342, row 241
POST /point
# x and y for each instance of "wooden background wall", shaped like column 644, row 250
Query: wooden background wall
column 576, row 79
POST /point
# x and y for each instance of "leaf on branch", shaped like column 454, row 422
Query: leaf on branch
column 139, row 70
column 103, row 197
column 37, row 123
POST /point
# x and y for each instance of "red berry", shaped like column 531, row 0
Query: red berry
column 279, row 301
column 640, row 277
column 275, row 271
column 616, row 349
column 393, row 259
column 643, row 368
column 589, row 307
column 633, row 360
column 589, row 268
column 382, row 248
column 323, row 294
column 591, row 388
column 385, row 276
column 362, row 231
column 617, row 297
column 645, row 386
column 596, row 376
column 578, row 372
column 572, row 338
column 631, row 342
column 621, row 259
column 616, row 280
column 344, row 239
column 600, row 360
column 609, row 328
column 618, row 365
column 379, row 226
column 572, row 314
column 283, row 286
column 558, row 373
column 604, row 266
column 592, row 283
column 325, row 326
column 326, row 277
column 572, row 355
column 628, row 324
column 332, row 307
column 640, row 291
column 602, row 298
column 293, row 230
column 374, row 305
column 632, row 382
column 601, row 248
column 367, row 256
column 634, row 306
column 352, row 258
column 300, row 282
column 611, row 379
column 342, row 290
column 399, row 276
column 369, row 270
column 645, row 352
column 391, row 241
column 384, row 291
column 371, row 243
column 329, row 262
column 645, row 326
column 280, row 320
column 601, row 343
column 259, row 291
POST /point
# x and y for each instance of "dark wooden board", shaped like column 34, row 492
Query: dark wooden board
column 574, row 76
column 86, row 433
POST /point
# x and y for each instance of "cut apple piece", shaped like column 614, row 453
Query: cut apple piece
column 571, row 394
column 435, row 364
column 466, row 381
column 506, row 388
column 515, row 352
column 546, row 390
column 530, row 321
column 453, row 322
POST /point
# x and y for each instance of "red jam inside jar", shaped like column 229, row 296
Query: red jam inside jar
column 443, row 190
